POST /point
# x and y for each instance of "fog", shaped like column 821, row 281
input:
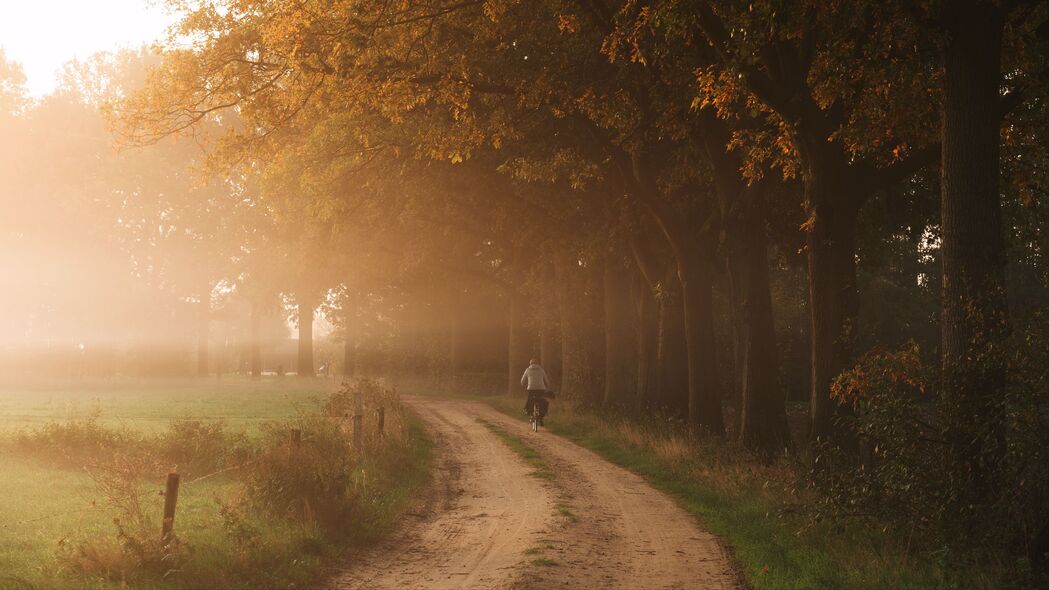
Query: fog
column 121, row 260
column 783, row 259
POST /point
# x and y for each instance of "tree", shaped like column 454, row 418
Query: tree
column 13, row 95
column 975, row 316
column 829, row 127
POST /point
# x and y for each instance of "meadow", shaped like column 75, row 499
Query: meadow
column 65, row 447
column 148, row 405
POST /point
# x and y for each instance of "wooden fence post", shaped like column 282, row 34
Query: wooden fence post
column 382, row 421
column 170, row 500
column 296, row 439
column 358, row 420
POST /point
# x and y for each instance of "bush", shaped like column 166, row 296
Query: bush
column 200, row 447
column 311, row 481
column 893, row 466
column 138, row 548
column 75, row 441
column 374, row 395
column 1024, row 500
column 890, row 467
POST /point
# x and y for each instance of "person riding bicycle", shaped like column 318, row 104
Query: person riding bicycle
column 538, row 384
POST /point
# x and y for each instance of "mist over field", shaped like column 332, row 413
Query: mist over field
column 492, row 294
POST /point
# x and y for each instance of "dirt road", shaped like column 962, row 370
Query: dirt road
column 489, row 523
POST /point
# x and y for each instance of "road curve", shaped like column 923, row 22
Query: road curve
column 489, row 524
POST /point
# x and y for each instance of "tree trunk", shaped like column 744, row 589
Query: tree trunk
column 619, row 379
column 690, row 246
column 572, row 344
column 659, row 370
column 737, row 370
column 549, row 333
column 647, row 343
column 516, row 353
column 305, row 360
column 349, row 357
column 256, row 340
column 592, row 300
column 550, row 353
column 203, row 321
column 672, row 351
column 763, row 416
column 455, row 336
column 220, row 359
column 834, row 304
column 351, row 337
column 762, row 404
column 975, row 322
column 704, row 390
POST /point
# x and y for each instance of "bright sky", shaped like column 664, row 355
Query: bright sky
column 44, row 34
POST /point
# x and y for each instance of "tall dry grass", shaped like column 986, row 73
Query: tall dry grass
column 724, row 466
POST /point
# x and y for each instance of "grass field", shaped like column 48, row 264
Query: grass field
column 44, row 508
column 50, row 506
column 148, row 406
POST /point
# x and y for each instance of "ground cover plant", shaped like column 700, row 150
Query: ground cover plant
column 83, row 504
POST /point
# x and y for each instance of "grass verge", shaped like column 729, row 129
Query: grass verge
column 545, row 562
column 755, row 508
column 542, row 470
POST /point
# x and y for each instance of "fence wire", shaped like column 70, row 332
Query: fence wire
column 96, row 505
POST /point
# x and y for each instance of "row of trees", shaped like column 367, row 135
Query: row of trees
column 690, row 206
column 540, row 142
column 627, row 177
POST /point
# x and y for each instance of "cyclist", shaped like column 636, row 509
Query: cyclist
column 538, row 384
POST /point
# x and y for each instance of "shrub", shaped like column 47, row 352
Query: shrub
column 311, row 481
column 890, row 467
column 138, row 548
column 133, row 555
column 374, row 395
column 1024, row 500
column 75, row 441
column 199, row 447
column 895, row 469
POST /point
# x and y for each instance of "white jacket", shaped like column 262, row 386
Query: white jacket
column 535, row 378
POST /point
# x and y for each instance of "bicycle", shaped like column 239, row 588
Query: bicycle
column 540, row 403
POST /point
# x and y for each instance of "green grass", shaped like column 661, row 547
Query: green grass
column 750, row 506
column 395, row 480
column 545, row 562
column 43, row 508
column 542, row 470
column 49, row 507
column 148, row 406
column 39, row 507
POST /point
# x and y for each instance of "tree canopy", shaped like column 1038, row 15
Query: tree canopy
column 746, row 216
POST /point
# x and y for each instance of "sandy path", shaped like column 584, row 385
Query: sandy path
column 487, row 520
